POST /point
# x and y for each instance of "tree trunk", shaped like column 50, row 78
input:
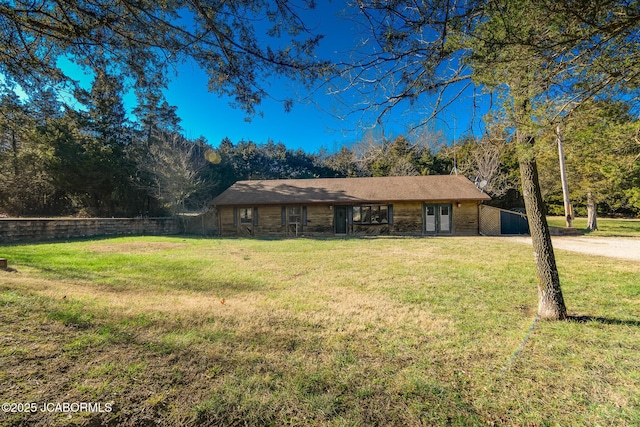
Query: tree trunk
column 550, row 301
column 14, row 148
column 592, row 221
column 568, row 214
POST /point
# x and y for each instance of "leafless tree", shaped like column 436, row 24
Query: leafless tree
column 485, row 166
column 173, row 164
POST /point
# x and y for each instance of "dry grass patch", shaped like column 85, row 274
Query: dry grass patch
column 134, row 247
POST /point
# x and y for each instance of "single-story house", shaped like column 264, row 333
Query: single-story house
column 402, row 205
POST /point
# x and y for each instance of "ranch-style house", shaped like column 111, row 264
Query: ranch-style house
column 403, row 205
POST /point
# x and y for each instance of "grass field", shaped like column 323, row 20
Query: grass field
column 355, row 332
column 606, row 226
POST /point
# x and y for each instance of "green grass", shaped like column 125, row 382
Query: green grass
column 382, row 331
column 607, row 227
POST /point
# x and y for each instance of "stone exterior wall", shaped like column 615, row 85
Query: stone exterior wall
column 465, row 219
column 40, row 229
column 408, row 220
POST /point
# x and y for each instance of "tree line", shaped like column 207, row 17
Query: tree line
column 97, row 160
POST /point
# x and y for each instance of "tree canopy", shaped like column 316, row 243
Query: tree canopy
column 238, row 43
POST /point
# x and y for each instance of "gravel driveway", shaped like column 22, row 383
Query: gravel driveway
column 615, row 247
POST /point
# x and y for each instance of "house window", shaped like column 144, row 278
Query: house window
column 295, row 215
column 371, row 214
column 246, row 215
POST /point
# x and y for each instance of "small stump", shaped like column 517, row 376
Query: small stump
column 3, row 264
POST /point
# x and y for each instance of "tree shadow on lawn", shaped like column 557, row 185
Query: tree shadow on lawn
column 603, row 320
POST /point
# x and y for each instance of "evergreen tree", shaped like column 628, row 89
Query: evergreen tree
column 90, row 147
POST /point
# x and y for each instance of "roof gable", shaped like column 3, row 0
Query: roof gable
column 350, row 190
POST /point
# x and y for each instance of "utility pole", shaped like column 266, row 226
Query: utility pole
column 568, row 209
column 455, row 160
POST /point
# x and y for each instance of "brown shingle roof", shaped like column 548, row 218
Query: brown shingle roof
column 348, row 190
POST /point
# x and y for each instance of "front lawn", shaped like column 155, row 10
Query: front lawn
column 337, row 332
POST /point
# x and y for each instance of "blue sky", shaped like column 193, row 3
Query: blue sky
column 204, row 114
column 309, row 126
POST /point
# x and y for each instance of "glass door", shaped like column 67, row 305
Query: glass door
column 445, row 219
column 430, row 219
column 437, row 219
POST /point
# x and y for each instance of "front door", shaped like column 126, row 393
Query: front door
column 340, row 219
column 437, row 219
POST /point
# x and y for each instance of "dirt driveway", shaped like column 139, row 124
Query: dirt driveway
column 615, row 247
